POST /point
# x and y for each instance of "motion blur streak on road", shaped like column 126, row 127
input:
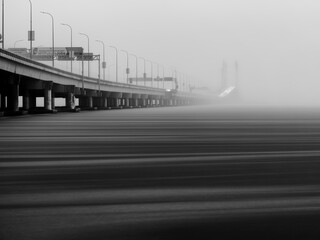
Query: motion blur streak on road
column 162, row 173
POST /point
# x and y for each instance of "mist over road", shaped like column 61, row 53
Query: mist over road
column 161, row 173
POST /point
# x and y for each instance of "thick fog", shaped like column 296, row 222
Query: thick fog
column 275, row 42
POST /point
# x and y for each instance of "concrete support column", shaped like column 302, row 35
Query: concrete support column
column 161, row 102
column 53, row 101
column 135, row 102
column 32, row 101
column 13, row 98
column 116, row 102
column 70, row 101
column 1, row 112
column 48, row 99
column 90, row 102
column 3, row 101
column 109, row 102
column 26, row 100
column 104, row 102
column 140, row 102
column 127, row 102
column 145, row 102
column 82, row 102
column 86, row 102
column 96, row 102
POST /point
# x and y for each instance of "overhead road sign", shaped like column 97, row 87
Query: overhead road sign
column 74, row 51
column 169, row 79
column 42, row 57
column 70, row 54
column 65, row 58
column 48, row 51
column 19, row 51
column 86, row 57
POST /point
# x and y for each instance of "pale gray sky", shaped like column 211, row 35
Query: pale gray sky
column 276, row 42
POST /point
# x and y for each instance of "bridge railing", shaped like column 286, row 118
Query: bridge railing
column 24, row 60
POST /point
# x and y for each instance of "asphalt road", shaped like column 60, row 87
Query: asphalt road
column 212, row 172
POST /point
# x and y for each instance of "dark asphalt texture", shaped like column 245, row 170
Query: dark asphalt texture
column 209, row 172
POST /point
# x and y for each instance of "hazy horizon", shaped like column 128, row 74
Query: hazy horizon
column 276, row 43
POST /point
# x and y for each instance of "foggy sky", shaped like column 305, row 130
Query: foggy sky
column 276, row 42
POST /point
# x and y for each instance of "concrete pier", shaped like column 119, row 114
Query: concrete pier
column 48, row 99
column 70, row 101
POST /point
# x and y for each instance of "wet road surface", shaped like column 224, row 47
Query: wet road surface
column 162, row 173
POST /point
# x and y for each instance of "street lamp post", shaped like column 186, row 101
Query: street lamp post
column 162, row 76
column 64, row 24
column 52, row 36
column 99, row 76
column 14, row 45
column 144, row 70
column 182, row 81
column 136, row 68
column 31, row 34
column 104, row 65
column 127, row 70
column 116, row 61
column 88, row 51
column 179, row 81
column 174, row 78
column 151, row 64
column 157, row 75
column 2, row 36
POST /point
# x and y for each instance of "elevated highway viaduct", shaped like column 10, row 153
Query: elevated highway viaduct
column 27, row 79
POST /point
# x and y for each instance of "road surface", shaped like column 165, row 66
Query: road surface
column 211, row 172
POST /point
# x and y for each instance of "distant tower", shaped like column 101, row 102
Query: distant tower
column 236, row 81
column 229, row 88
column 236, row 74
column 224, row 76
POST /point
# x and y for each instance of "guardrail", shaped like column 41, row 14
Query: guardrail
column 24, row 60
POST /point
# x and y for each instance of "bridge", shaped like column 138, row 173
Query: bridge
column 23, row 80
